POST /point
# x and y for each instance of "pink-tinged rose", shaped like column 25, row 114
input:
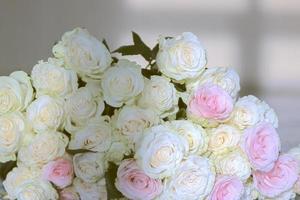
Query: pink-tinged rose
column 68, row 193
column 227, row 188
column 133, row 183
column 261, row 143
column 280, row 179
column 60, row 172
column 211, row 102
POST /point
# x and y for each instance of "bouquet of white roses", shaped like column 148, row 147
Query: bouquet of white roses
column 87, row 124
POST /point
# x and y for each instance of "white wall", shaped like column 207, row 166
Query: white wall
column 259, row 38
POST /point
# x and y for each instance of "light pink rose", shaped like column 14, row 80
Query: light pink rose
column 227, row 188
column 60, row 172
column 280, row 179
column 211, row 102
column 262, row 145
column 135, row 184
column 68, row 193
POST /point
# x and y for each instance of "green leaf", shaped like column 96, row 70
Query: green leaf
column 179, row 87
column 6, row 167
column 128, row 50
column 105, row 44
column 110, row 177
column 154, row 51
column 181, row 114
column 144, row 50
column 138, row 48
column 115, row 60
column 81, row 83
column 108, row 110
column 150, row 72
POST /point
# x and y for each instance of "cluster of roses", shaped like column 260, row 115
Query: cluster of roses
column 180, row 133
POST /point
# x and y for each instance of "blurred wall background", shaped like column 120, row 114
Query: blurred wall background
column 259, row 38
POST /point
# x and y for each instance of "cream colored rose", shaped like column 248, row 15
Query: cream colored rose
column 46, row 114
column 160, row 151
column 122, row 83
column 90, row 167
column 91, row 191
column 36, row 189
column 224, row 77
column 249, row 110
column 16, row 177
column 194, row 134
column 232, row 162
column 159, row 95
column 96, row 135
column 43, row 148
column 181, row 57
column 223, row 137
column 52, row 80
column 12, row 132
column 81, row 106
column 16, row 92
column 131, row 121
column 193, row 180
column 84, row 53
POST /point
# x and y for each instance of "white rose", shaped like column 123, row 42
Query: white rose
column 223, row 137
column 16, row 92
column 131, row 121
column 224, row 77
column 52, row 80
column 232, row 162
column 193, row 180
column 91, row 191
column 46, row 113
column 269, row 114
column 250, row 193
column 160, row 151
column 43, row 148
column 287, row 195
column 182, row 57
column 81, row 106
column 12, row 131
column 84, row 53
column 117, row 151
column 194, row 134
column 96, row 135
column 69, row 193
column 295, row 152
column 122, row 83
column 90, row 167
column 36, row 189
column 159, row 95
column 249, row 110
column 16, row 177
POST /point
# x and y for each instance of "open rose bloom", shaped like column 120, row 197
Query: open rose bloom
column 88, row 124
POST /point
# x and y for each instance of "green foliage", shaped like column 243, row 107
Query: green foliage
column 105, row 44
column 110, row 177
column 5, row 168
column 138, row 48
column 181, row 114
